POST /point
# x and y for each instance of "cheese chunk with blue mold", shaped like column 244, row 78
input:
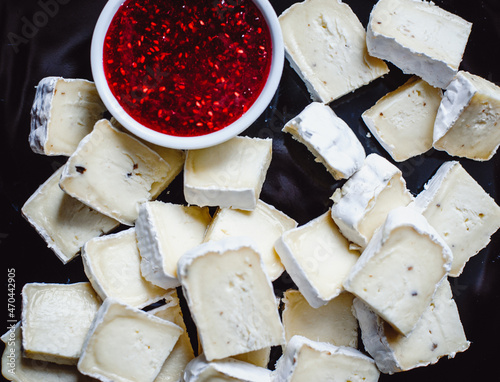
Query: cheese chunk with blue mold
column 318, row 259
column 165, row 231
column 230, row 174
column 468, row 120
column 56, row 319
column 329, row 138
column 439, row 333
column 125, row 344
column 419, row 38
column 399, row 271
column 230, row 297
column 325, row 44
column 305, row 360
column 460, row 210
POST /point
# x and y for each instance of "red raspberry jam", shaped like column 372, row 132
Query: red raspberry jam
column 187, row 67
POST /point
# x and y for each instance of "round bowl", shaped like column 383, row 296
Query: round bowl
column 187, row 142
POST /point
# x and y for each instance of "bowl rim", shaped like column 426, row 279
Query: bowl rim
column 180, row 142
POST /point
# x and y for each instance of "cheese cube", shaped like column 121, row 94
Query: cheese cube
column 230, row 298
column 113, row 173
column 438, row 333
column 259, row 357
column 62, row 221
column 125, row 344
column 113, row 265
column 326, row 45
column 264, row 225
column 400, row 269
column 329, row 138
column 419, row 38
column 468, row 120
column 333, row 322
column 307, row 360
column 164, row 232
column 55, row 320
column 230, row 174
column 317, row 258
column 182, row 353
column 64, row 111
column 461, row 212
column 231, row 370
column 403, row 120
column 363, row 202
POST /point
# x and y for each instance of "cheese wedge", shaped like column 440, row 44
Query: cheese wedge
column 461, row 212
column 125, row 344
column 113, row 266
column 419, row 38
column 113, row 173
column 230, row 298
column 64, row 111
column 401, row 268
column 403, row 120
column 317, row 258
column 329, row 138
column 306, row 360
column 326, row 45
column 264, row 225
column 333, row 322
column 165, row 231
column 363, row 202
column 468, row 120
column 230, row 174
column 62, row 221
column 56, row 319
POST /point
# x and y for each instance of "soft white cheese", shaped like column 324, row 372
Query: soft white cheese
column 401, row 268
column 468, row 120
column 419, row 38
column 329, row 138
column 165, row 231
column 403, row 120
column 63, row 112
column 230, row 174
column 62, row 221
column 461, row 212
column 326, row 45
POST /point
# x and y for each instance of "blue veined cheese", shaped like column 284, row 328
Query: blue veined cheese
column 318, row 259
column 113, row 173
column 265, row 224
column 461, row 212
column 62, row 221
column 64, row 111
column 113, row 266
column 438, row 333
column 56, row 319
column 230, row 174
column 230, row 297
column 419, row 38
column 125, row 344
column 307, row 360
column 165, row 231
column 363, row 202
column 399, row 271
column 329, row 138
column 231, row 370
column 468, row 120
column 326, row 45
column 333, row 322
column 403, row 120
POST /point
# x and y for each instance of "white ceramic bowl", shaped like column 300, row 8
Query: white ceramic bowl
column 179, row 142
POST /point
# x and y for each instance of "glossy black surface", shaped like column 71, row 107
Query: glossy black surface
column 52, row 37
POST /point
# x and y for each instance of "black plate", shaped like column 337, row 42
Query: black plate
column 52, row 37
